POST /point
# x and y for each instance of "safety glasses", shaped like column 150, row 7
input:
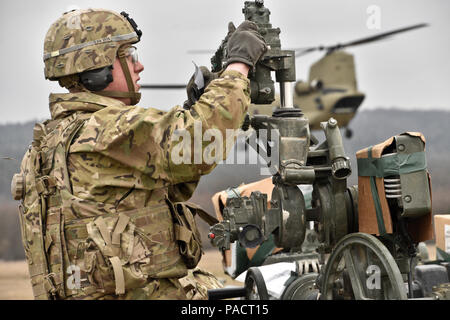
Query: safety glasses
column 131, row 51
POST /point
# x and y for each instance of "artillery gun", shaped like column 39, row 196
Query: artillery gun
column 338, row 250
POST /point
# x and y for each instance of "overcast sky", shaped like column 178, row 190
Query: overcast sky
column 411, row 70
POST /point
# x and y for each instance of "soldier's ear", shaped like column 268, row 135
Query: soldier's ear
column 97, row 79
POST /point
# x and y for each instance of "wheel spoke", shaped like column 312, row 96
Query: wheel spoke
column 355, row 280
column 362, row 268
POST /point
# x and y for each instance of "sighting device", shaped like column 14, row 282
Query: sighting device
column 282, row 62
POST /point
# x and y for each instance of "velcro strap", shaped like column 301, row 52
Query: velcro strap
column 54, row 201
column 205, row 216
column 77, row 232
column 48, row 240
column 47, row 286
column 144, row 221
column 40, row 186
column 56, row 278
column 106, row 234
column 120, row 227
column 39, row 291
column 36, row 269
column 43, row 184
column 161, row 259
column 51, row 181
column 54, row 218
column 182, row 233
column 118, row 275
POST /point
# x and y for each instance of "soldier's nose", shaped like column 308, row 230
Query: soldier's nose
column 138, row 67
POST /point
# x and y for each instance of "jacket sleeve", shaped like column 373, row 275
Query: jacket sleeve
column 204, row 135
column 171, row 146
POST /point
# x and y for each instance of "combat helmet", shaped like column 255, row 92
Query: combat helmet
column 82, row 45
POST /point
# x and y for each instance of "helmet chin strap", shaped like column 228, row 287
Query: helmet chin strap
column 131, row 94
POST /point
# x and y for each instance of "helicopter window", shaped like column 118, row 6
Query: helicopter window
column 348, row 104
column 317, row 84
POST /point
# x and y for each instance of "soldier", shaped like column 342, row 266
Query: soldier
column 102, row 212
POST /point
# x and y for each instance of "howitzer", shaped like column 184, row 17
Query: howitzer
column 393, row 191
column 334, row 205
column 299, row 160
column 296, row 162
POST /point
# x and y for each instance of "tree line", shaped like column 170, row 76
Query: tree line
column 369, row 126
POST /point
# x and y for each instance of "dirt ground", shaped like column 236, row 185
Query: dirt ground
column 15, row 283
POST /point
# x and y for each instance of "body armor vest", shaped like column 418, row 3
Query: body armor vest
column 107, row 252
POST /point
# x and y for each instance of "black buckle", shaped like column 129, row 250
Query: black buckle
column 133, row 24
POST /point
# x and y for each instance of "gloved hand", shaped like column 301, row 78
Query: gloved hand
column 245, row 44
column 192, row 89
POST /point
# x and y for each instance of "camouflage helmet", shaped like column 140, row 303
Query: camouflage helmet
column 84, row 40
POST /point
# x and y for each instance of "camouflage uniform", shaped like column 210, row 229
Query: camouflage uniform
column 125, row 150
column 122, row 147
column 100, row 193
column 124, row 185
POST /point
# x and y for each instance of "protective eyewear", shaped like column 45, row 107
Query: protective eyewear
column 132, row 51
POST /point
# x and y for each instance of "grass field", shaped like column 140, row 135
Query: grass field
column 15, row 283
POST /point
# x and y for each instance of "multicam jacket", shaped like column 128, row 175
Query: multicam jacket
column 113, row 219
column 126, row 147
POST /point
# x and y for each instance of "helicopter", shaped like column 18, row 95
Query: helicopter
column 331, row 89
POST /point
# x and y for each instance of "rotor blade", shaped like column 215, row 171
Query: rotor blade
column 163, row 86
column 8, row 158
column 377, row 37
column 303, row 51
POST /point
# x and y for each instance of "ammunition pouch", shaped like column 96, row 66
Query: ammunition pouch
column 119, row 252
column 186, row 232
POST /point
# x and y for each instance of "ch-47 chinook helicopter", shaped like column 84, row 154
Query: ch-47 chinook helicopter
column 331, row 89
